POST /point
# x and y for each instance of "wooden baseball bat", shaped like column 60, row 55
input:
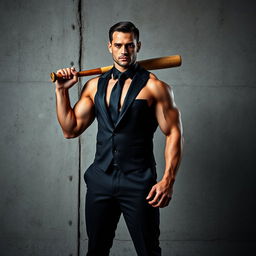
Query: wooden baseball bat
column 149, row 64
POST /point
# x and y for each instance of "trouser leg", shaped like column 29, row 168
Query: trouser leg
column 102, row 213
column 141, row 218
column 102, row 217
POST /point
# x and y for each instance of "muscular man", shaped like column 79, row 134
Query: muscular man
column 129, row 103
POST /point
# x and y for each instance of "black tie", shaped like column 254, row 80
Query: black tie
column 114, row 103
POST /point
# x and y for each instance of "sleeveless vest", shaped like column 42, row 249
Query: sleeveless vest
column 129, row 143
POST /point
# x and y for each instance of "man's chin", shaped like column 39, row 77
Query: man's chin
column 124, row 64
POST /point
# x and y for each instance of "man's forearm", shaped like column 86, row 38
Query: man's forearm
column 173, row 154
column 161, row 193
column 64, row 111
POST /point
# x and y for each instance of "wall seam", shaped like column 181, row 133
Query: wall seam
column 80, row 24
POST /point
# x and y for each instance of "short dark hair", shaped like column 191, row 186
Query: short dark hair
column 125, row 27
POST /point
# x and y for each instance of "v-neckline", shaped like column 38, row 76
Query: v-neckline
column 124, row 98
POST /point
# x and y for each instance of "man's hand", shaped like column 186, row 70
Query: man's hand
column 160, row 194
column 69, row 78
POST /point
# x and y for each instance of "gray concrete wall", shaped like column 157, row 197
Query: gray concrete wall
column 42, row 207
column 39, row 169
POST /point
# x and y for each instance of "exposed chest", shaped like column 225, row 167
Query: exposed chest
column 143, row 94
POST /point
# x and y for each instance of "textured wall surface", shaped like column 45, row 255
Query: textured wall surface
column 38, row 168
column 41, row 173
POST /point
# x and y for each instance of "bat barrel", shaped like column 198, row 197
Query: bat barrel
column 162, row 62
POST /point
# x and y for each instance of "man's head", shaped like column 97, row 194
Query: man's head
column 124, row 44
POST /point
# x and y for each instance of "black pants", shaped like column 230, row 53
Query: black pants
column 113, row 192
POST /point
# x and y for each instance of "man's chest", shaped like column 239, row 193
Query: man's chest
column 144, row 93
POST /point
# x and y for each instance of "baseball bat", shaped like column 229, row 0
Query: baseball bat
column 149, row 64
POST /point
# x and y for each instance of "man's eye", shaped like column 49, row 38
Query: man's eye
column 118, row 46
column 131, row 45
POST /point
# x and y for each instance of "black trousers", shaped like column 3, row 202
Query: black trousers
column 112, row 193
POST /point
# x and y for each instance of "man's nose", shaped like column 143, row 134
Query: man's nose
column 124, row 50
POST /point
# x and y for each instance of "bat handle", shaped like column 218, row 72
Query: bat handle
column 90, row 72
column 55, row 77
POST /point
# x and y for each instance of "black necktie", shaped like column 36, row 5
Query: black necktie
column 114, row 103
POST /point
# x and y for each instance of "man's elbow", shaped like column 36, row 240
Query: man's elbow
column 69, row 135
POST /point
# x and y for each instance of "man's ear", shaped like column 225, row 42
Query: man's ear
column 138, row 46
column 109, row 47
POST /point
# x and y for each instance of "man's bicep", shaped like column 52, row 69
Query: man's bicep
column 167, row 113
column 84, row 108
column 84, row 113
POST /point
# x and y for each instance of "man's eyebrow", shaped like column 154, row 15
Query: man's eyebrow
column 125, row 44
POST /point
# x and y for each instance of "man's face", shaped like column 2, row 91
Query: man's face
column 124, row 48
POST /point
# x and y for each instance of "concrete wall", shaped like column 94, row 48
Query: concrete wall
column 39, row 169
column 42, row 188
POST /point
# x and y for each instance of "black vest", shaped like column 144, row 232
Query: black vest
column 129, row 143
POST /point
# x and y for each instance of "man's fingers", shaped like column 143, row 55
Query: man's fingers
column 64, row 71
column 151, row 193
column 156, row 199
column 160, row 200
column 74, row 73
column 69, row 77
column 165, row 202
column 68, row 73
column 61, row 71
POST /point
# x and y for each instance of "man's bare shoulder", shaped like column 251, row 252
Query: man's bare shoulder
column 90, row 87
column 157, row 87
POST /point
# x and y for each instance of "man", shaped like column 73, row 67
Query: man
column 129, row 103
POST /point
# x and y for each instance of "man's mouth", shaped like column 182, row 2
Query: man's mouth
column 123, row 58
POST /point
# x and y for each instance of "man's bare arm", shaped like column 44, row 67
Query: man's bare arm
column 74, row 121
column 169, row 120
